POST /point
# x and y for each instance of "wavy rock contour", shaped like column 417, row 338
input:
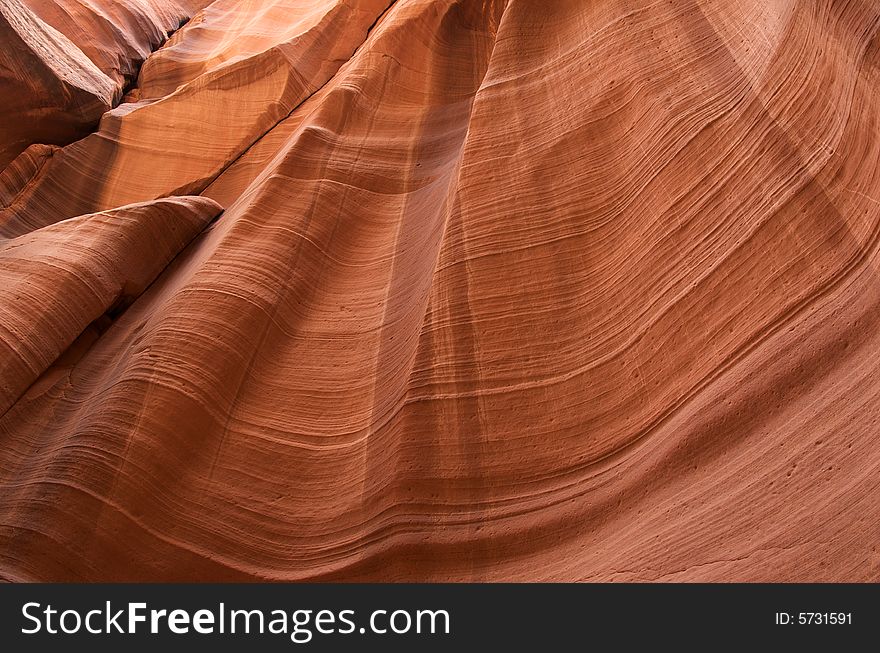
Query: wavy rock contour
column 502, row 290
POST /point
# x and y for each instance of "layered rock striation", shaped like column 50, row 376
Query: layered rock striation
column 500, row 290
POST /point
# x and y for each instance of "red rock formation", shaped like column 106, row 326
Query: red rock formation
column 59, row 280
column 116, row 36
column 65, row 62
column 503, row 290
column 50, row 90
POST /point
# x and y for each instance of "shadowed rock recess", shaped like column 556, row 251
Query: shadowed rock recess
column 440, row 290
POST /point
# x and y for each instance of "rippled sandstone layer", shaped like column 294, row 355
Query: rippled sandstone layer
column 500, row 290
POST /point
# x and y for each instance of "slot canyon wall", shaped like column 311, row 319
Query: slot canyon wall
column 440, row 290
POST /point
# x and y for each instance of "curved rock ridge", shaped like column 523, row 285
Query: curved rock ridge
column 164, row 146
column 313, row 35
column 116, row 36
column 503, row 290
column 66, row 62
column 51, row 91
column 57, row 281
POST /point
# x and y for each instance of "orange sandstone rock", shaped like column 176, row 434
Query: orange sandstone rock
column 503, row 290
column 57, row 281
column 51, row 92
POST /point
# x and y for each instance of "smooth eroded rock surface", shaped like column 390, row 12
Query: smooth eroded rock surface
column 503, row 290
column 57, row 281
column 51, row 92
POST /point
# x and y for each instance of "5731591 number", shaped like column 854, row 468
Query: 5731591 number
column 814, row 618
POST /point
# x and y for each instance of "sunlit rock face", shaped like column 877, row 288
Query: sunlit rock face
column 440, row 290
